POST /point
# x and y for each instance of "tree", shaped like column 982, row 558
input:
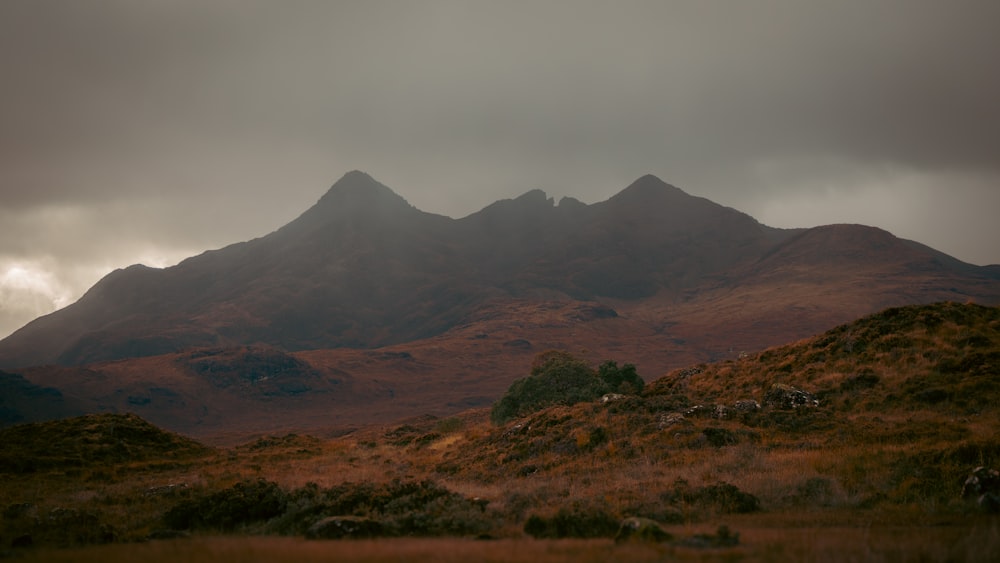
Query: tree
column 559, row 378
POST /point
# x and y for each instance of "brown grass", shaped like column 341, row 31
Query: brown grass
column 873, row 473
column 758, row 543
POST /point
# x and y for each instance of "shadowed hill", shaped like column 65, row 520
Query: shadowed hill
column 91, row 441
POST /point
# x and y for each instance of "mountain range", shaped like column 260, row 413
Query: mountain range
column 365, row 308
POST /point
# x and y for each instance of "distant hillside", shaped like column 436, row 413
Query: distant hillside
column 23, row 401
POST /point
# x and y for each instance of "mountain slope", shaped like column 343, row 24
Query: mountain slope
column 364, row 269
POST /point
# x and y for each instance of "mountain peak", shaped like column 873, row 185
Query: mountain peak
column 358, row 188
column 356, row 198
column 648, row 186
column 534, row 197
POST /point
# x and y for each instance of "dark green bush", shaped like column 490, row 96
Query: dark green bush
column 244, row 503
column 718, row 437
column 622, row 380
column 575, row 522
column 726, row 499
column 400, row 508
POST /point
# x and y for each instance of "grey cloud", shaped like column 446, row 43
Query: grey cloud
column 191, row 124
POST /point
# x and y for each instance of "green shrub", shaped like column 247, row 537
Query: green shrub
column 622, row 380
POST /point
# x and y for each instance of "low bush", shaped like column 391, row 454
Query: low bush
column 243, row 503
column 578, row 521
column 722, row 498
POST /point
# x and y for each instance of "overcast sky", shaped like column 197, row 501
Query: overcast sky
column 148, row 131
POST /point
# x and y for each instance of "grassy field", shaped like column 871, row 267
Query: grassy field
column 899, row 408
column 834, row 544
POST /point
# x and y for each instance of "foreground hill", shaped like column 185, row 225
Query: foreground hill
column 872, row 426
column 917, row 388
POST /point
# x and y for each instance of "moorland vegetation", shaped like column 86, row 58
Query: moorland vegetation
column 874, row 423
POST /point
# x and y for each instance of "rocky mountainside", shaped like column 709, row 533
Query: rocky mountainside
column 362, row 269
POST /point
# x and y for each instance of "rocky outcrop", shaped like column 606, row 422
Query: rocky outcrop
column 983, row 487
column 781, row 396
column 744, row 406
column 740, row 408
column 637, row 529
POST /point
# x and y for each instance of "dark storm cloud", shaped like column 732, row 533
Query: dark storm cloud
column 146, row 130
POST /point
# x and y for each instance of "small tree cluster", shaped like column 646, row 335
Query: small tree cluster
column 559, row 378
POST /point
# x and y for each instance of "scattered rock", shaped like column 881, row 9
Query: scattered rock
column 781, row 396
column 983, row 485
column 720, row 412
column 341, row 527
column 688, row 372
column 514, row 430
column 671, row 419
column 746, row 406
column 698, row 411
column 642, row 530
